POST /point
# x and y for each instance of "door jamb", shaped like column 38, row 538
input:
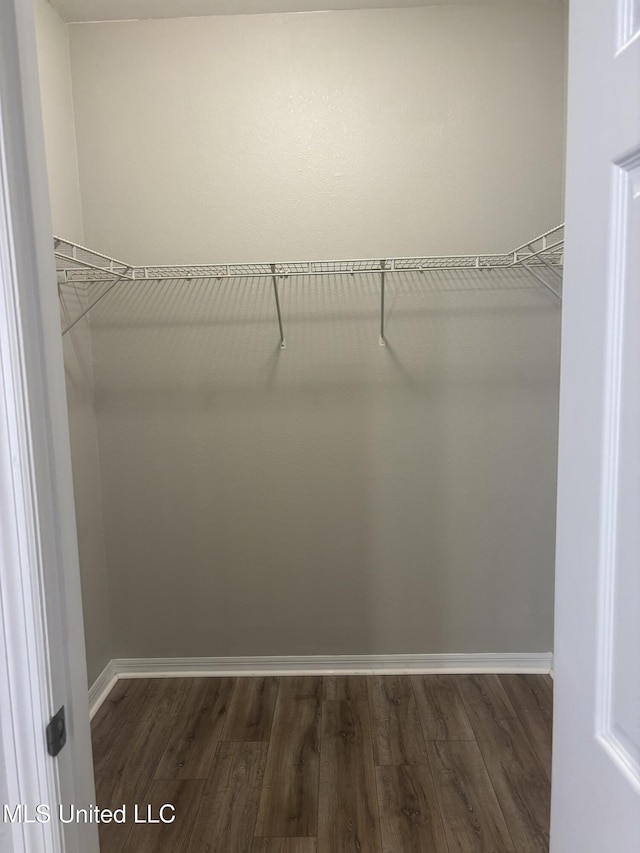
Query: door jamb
column 41, row 638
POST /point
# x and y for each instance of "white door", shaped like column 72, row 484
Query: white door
column 596, row 769
column 42, row 654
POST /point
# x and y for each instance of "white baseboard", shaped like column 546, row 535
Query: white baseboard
column 540, row 663
column 332, row 664
column 101, row 687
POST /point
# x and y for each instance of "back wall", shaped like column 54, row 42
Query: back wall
column 336, row 497
column 435, row 130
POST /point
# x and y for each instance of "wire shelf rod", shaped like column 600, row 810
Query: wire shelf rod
column 526, row 258
column 539, row 237
column 60, row 241
column 314, row 274
column 549, row 257
column 297, row 268
column 120, row 273
column 553, row 270
column 433, row 265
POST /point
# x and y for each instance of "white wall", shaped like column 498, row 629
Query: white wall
column 62, row 167
column 57, row 113
column 337, row 497
column 341, row 134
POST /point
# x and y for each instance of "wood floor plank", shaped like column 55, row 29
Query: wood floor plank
column 128, row 775
column 528, row 692
column 313, row 770
column 538, row 726
column 132, row 769
column 112, row 836
column 521, row 785
column 124, row 704
column 251, row 709
column 184, row 796
column 289, row 800
column 520, row 782
column 473, row 820
column 410, row 819
column 440, row 707
column 487, row 692
column 165, row 698
column 115, row 706
column 305, row 686
column 192, row 742
column 283, row 845
column 348, row 818
column 229, row 802
column 397, row 733
column 341, row 687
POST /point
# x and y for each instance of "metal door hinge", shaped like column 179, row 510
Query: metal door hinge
column 56, row 733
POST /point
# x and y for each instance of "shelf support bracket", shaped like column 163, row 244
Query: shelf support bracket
column 381, row 339
column 124, row 277
column 542, row 281
column 549, row 266
column 274, row 279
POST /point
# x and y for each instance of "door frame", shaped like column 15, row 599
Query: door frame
column 42, row 651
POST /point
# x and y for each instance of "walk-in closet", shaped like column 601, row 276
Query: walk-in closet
column 309, row 266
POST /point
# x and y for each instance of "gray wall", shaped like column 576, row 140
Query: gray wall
column 337, row 497
column 436, row 130
column 57, row 112
column 62, row 167
column 96, row 601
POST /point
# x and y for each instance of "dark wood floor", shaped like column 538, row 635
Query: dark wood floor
column 369, row 764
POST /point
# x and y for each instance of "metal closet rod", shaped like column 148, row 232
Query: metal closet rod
column 544, row 251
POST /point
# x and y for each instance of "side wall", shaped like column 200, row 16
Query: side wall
column 336, row 497
column 62, row 167
column 57, row 114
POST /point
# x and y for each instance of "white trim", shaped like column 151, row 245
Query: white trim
column 101, row 688
column 530, row 662
column 26, row 691
column 331, row 664
column 42, row 650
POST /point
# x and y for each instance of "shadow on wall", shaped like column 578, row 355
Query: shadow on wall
column 336, row 497
column 87, row 486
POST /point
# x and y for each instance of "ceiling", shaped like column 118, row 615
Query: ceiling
column 127, row 10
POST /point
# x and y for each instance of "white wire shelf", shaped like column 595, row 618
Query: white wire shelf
column 542, row 257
